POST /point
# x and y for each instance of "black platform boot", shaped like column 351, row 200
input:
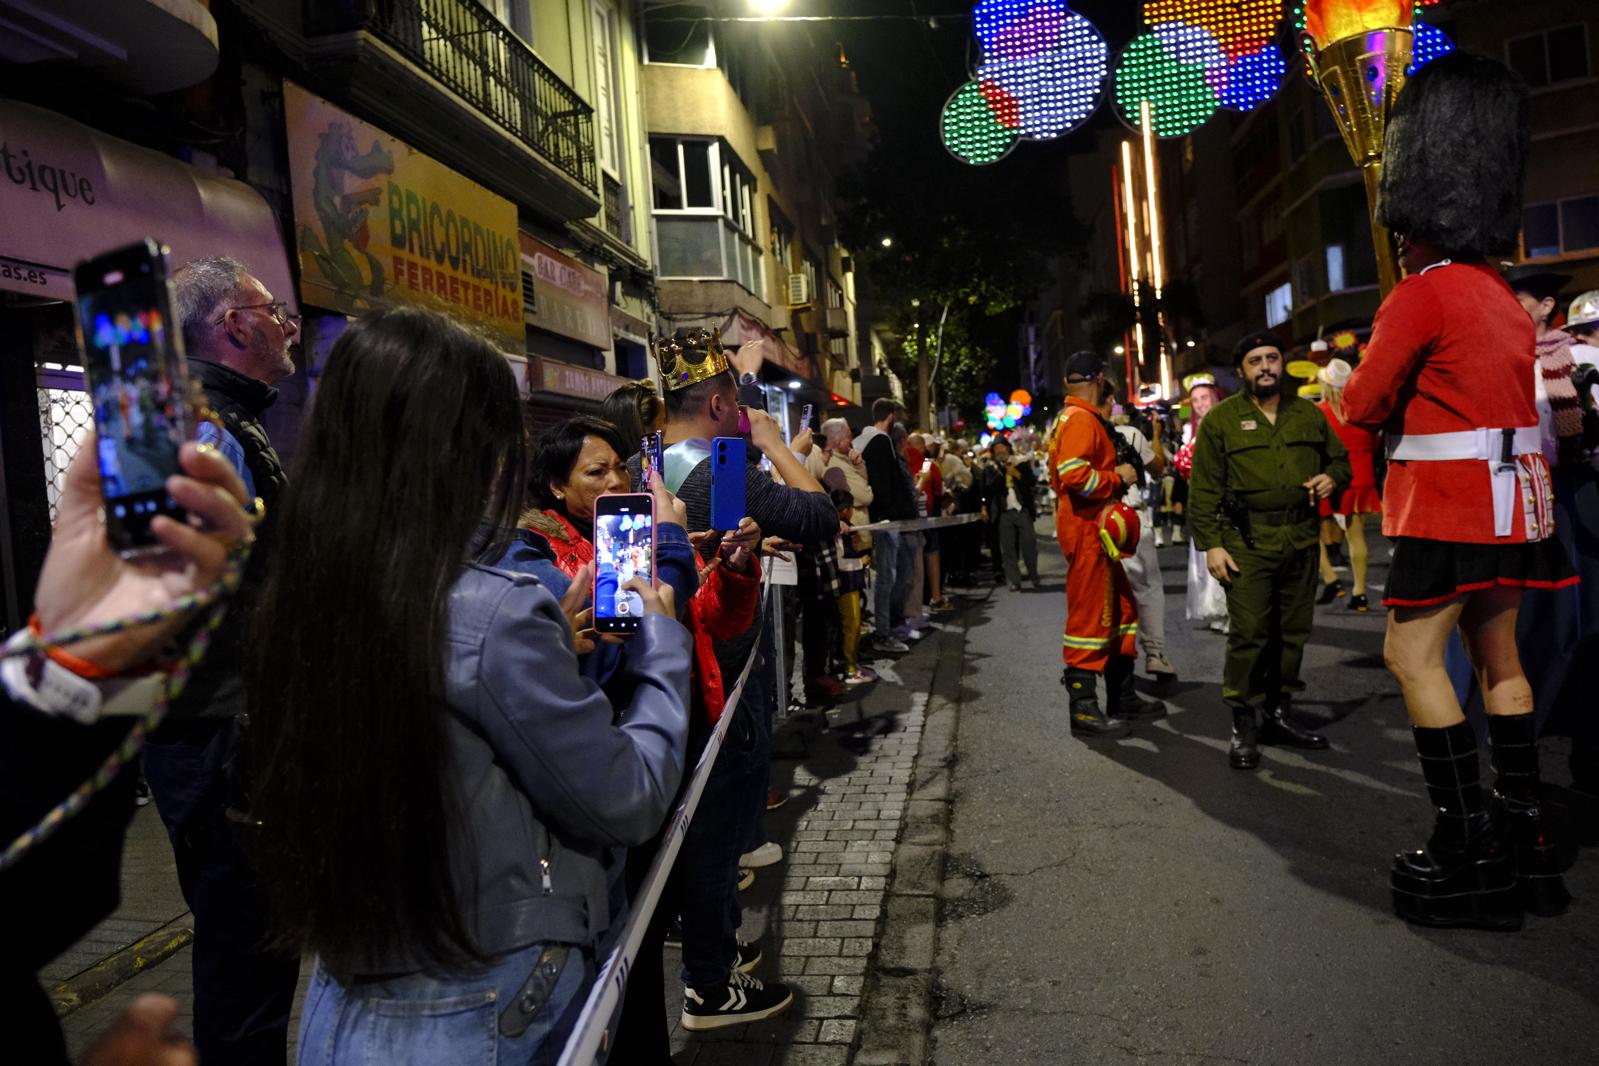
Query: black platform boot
column 1540, row 858
column 1243, row 754
column 1087, row 718
column 1466, row 875
column 1277, row 728
column 1121, row 697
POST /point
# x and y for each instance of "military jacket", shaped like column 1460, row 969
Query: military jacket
column 1242, row 454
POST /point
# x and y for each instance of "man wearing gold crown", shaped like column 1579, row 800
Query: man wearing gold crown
column 702, row 403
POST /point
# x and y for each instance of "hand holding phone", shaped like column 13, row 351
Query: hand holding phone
column 806, row 413
column 624, row 553
column 134, row 368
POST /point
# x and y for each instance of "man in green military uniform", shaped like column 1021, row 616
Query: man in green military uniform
column 1263, row 461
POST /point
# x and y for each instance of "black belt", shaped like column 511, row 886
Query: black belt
column 1286, row 516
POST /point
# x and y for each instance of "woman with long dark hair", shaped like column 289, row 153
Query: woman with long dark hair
column 439, row 788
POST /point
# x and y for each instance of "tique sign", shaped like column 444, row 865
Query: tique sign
column 69, row 192
column 377, row 223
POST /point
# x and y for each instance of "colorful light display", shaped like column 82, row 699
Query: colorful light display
column 1040, row 78
column 1198, row 56
column 1002, row 414
column 1430, row 43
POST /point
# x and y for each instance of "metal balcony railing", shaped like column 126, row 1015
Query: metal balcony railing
column 464, row 46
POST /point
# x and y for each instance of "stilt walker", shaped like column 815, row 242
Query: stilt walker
column 1448, row 375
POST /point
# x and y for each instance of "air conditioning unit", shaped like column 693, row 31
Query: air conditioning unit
column 799, row 290
column 837, row 321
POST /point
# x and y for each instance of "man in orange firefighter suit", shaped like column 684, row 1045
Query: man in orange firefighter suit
column 1101, row 614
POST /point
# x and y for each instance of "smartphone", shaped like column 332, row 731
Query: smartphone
column 806, row 413
column 624, row 548
column 650, row 451
column 727, row 483
column 138, row 382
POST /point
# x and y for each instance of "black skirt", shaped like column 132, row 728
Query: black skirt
column 1426, row 573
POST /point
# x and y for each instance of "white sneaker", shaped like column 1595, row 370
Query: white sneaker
column 1158, row 664
column 765, row 855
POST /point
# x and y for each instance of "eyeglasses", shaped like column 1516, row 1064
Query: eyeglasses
column 277, row 309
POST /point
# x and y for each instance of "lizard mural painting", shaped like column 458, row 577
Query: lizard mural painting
column 340, row 251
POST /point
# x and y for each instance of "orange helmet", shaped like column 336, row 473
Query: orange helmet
column 1118, row 530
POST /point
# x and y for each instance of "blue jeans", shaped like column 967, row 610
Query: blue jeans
column 885, row 554
column 427, row 1018
column 907, row 561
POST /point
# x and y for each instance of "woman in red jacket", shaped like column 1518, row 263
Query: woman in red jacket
column 1360, row 498
column 1448, row 375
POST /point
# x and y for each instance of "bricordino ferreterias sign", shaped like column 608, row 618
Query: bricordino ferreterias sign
column 378, row 223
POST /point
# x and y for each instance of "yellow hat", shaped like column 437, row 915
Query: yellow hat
column 689, row 357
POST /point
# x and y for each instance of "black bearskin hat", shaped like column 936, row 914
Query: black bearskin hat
column 1454, row 156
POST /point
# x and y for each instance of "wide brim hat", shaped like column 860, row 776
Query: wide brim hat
column 1539, row 282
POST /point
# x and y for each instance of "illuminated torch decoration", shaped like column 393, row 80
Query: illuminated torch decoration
column 1359, row 51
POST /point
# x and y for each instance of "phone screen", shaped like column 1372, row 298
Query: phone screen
column 135, row 373
column 806, row 414
column 624, row 548
column 651, row 456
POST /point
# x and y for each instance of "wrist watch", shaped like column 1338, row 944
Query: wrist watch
column 747, row 378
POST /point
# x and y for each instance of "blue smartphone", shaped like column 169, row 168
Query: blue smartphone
column 727, row 482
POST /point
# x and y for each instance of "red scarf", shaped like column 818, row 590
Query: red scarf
column 1556, row 364
column 572, row 550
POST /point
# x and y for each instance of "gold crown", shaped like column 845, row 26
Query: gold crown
column 689, row 357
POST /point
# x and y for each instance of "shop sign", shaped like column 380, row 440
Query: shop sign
column 378, row 224
column 569, row 298
column 568, row 379
column 69, row 192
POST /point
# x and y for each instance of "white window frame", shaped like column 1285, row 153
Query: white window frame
column 1280, row 301
column 733, row 200
column 710, row 52
column 608, row 137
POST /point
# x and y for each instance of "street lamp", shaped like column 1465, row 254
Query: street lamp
column 1119, row 350
column 796, row 384
column 887, row 242
column 768, row 7
column 1190, row 344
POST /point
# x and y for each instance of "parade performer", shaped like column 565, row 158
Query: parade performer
column 1448, row 375
column 1207, row 600
column 1101, row 614
column 1360, row 498
column 1262, row 462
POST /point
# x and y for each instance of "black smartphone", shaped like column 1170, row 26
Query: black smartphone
column 650, row 450
column 806, row 414
column 137, row 380
column 624, row 548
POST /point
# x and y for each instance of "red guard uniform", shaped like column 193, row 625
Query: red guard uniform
column 1101, row 615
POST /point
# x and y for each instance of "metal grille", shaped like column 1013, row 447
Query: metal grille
column 65, row 415
column 463, row 45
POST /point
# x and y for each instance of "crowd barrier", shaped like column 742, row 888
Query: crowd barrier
column 591, row 1034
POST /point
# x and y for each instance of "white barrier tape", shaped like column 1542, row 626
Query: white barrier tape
column 605, row 998
column 904, row 525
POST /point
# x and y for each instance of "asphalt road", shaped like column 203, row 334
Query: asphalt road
column 1139, row 901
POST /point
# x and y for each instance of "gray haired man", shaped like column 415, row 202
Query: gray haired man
column 238, row 339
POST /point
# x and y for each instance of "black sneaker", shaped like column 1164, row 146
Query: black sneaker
column 743, row 999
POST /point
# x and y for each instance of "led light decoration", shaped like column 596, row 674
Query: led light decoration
column 1430, row 42
column 1198, row 56
column 1000, row 413
column 1042, row 69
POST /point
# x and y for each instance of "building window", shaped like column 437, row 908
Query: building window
column 811, row 275
column 835, row 294
column 516, row 14
column 1304, row 279
column 782, row 239
column 704, row 212
column 684, row 41
column 1279, row 305
column 1335, row 267
column 1561, row 226
column 1551, row 57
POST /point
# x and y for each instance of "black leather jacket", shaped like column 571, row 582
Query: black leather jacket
column 991, row 487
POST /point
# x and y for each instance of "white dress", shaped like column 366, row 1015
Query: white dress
column 1207, row 600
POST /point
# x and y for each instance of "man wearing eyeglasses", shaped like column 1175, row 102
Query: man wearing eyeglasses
column 238, row 337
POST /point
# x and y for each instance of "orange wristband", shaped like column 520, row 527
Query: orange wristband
column 82, row 667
